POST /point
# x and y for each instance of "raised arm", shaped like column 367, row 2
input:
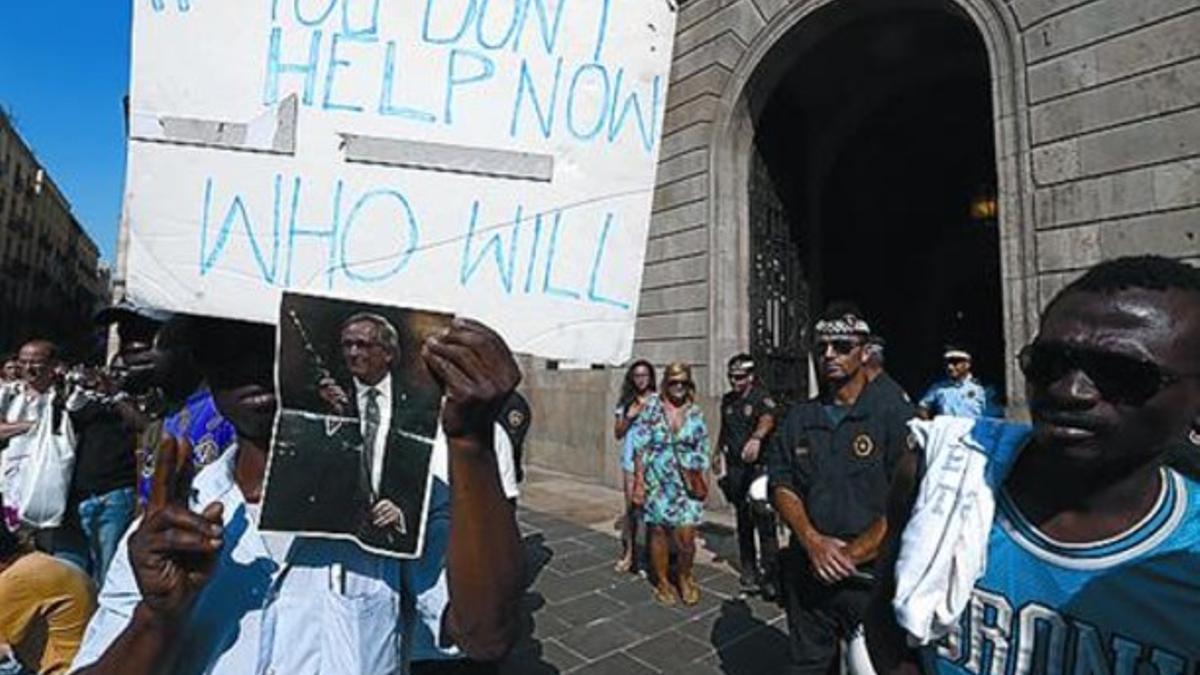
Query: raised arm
column 172, row 554
column 484, row 560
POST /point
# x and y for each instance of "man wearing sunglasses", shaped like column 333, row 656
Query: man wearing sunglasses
column 747, row 418
column 831, row 461
column 960, row 393
column 1091, row 557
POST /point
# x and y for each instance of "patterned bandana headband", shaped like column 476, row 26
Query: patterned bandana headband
column 744, row 366
column 848, row 325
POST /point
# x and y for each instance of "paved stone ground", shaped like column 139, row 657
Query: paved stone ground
column 581, row 617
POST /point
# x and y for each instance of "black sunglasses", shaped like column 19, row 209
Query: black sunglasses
column 1119, row 378
column 842, row 347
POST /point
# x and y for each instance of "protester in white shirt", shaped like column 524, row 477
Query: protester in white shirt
column 205, row 592
column 24, row 405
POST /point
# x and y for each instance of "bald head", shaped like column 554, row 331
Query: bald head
column 37, row 359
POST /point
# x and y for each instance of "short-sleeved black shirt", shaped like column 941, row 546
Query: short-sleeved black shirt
column 739, row 417
column 892, row 387
column 104, row 451
column 842, row 471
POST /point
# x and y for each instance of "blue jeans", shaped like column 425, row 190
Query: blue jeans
column 103, row 520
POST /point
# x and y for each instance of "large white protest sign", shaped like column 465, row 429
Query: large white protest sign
column 494, row 158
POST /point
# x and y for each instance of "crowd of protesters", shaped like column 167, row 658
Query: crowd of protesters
column 933, row 536
column 132, row 493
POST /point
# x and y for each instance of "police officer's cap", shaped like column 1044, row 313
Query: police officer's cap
column 956, row 353
column 741, row 364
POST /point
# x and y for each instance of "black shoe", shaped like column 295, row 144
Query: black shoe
column 748, row 579
column 769, row 590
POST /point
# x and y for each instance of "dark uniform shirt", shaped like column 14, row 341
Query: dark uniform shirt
column 515, row 416
column 740, row 416
column 841, row 471
column 891, row 387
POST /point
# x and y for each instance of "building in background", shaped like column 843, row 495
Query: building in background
column 947, row 164
column 51, row 280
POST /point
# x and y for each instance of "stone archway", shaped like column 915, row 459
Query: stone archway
column 730, row 148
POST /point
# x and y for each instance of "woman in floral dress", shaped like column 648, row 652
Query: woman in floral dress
column 670, row 438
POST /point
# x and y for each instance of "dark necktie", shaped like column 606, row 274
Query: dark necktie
column 370, row 432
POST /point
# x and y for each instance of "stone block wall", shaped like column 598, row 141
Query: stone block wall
column 1114, row 92
column 1098, row 139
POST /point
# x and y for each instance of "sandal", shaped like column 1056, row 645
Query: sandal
column 665, row 596
column 690, row 591
column 623, row 565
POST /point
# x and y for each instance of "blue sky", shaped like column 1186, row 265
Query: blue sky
column 64, row 70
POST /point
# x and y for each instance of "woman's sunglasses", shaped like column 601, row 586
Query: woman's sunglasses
column 1119, row 378
column 679, row 383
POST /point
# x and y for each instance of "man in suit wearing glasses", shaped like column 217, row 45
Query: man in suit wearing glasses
column 397, row 430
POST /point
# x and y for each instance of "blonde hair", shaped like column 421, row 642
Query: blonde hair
column 673, row 371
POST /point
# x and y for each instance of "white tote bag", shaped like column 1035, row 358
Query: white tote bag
column 42, row 479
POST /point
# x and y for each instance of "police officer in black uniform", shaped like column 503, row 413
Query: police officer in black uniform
column 747, row 418
column 831, row 461
column 876, row 370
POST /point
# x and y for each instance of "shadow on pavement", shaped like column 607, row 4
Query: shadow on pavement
column 745, row 644
column 721, row 541
column 580, row 617
column 527, row 656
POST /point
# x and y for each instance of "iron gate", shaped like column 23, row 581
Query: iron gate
column 779, row 307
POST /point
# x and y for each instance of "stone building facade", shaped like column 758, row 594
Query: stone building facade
column 50, row 276
column 1090, row 136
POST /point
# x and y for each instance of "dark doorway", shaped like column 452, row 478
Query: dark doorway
column 877, row 134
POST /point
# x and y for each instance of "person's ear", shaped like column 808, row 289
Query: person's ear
column 1194, row 434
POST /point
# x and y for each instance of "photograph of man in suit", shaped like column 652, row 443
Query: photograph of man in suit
column 358, row 415
column 396, row 427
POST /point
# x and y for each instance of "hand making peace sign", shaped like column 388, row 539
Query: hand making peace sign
column 173, row 551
